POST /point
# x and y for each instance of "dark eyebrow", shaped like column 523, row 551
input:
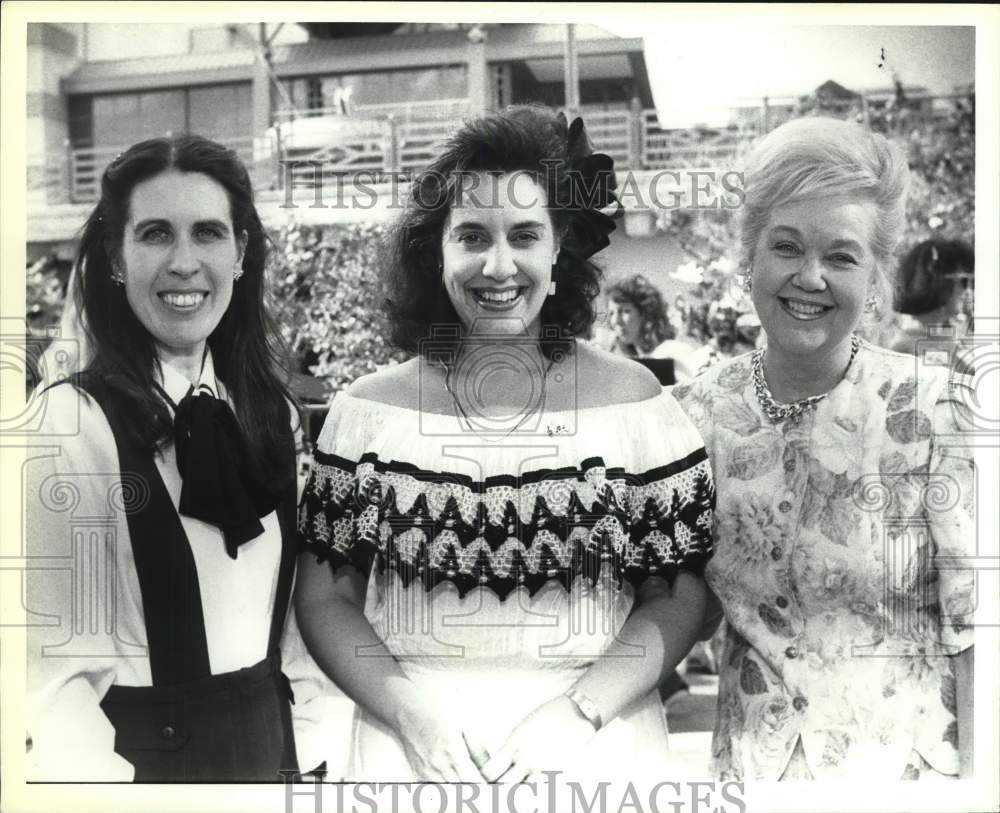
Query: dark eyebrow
column 475, row 224
column 200, row 224
column 467, row 224
column 142, row 224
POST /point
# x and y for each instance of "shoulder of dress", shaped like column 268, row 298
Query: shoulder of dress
column 884, row 370
column 886, row 354
column 684, row 429
column 729, row 371
column 72, row 419
column 66, row 407
column 353, row 418
column 394, row 385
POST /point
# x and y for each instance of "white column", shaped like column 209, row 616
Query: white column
column 480, row 92
column 571, row 72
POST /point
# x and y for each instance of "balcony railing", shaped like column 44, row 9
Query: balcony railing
column 377, row 139
column 74, row 175
column 436, row 109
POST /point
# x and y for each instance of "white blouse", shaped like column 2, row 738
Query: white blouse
column 74, row 509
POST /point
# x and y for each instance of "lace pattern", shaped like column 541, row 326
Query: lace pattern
column 503, row 532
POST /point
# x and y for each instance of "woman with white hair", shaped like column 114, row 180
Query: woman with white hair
column 841, row 488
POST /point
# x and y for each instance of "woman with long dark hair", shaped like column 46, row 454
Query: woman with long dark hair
column 176, row 444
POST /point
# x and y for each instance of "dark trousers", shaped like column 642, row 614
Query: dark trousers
column 233, row 727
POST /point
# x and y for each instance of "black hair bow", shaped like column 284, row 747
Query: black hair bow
column 592, row 191
column 221, row 486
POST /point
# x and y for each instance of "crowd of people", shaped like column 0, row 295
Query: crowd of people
column 507, row 544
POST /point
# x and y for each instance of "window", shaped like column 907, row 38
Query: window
column 126, row 118
column 314, row 93
column 347, row 92
column 221, row 112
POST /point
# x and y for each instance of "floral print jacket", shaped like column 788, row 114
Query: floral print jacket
column 830, row 534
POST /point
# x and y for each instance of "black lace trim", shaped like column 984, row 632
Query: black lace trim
column 590, row 521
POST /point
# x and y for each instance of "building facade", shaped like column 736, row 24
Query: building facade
column 348, row 97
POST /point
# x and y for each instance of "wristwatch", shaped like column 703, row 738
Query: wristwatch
column 586, row 707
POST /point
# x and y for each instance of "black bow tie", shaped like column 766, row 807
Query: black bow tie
column 220, row 486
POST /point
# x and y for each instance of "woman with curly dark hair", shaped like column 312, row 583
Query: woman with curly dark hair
column 638, row 316
column 503, row 536
column 642, row 331
column 176, row 446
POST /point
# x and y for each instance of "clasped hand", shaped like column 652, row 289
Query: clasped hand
column 546, row 739
column 438, row 750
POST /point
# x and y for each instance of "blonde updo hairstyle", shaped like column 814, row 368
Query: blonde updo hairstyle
column 822, row 157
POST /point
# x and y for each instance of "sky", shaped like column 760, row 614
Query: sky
column 698, row 71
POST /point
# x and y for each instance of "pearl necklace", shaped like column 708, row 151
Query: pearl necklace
column 777, row 411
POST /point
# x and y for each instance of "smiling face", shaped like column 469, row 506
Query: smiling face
column 498, row 248
column 179, row 254
column 625, row 321
column 812, row 270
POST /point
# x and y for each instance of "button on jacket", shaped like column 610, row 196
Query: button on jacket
column 828, row 537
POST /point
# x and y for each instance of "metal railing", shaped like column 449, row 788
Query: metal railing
column 435, row 109
column 404, row 138
column 74, row 174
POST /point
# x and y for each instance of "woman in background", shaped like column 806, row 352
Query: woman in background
column 842, row 486
column 936, row 286
column 637, row 315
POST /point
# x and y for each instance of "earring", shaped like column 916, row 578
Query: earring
column 117, row 274
column 552, row 279
column 871, row 303
column 747, row 282
column 237, row 273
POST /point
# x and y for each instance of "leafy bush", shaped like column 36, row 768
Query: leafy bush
column 326, row 297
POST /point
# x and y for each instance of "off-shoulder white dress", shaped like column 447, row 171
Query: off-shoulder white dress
column 499, row 571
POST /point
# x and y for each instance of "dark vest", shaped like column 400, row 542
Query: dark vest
column 191, row 725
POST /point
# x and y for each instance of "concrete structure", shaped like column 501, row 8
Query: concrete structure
column 236, row 92
column 349, row 98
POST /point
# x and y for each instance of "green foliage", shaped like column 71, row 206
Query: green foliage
column 943, row 172
column 45, row 285
column 940, row 147
column 326, row 297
